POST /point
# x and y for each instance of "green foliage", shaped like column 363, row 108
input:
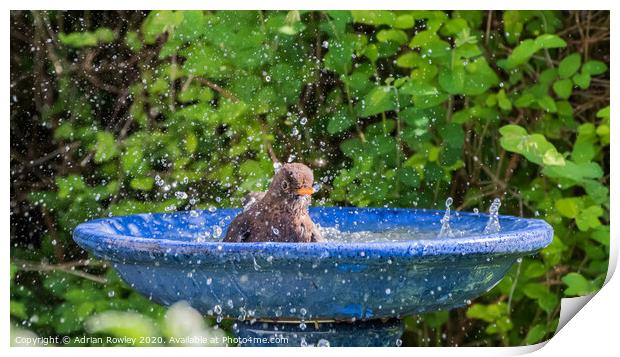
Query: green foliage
column 390, row 108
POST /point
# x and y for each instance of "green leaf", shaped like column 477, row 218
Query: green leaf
column 521, row 54
column 550, row 41
column 582, row 80
column 409, row 177
column 534, row 269
column 577, row 285
column 534, row 147
column 191, row 142
column 373, row 17
column 380, row 99
column 392, row 35
column 142, row 183
column 604, row 113
column 482, row 312
column 527, row 48
column 563, row 88
column 569, row 65
column 340, row 121
column 339, row 56
column 588, row 218
column 132, row 40
column 569, row 207
column 574, row 171
column 452, row 80
column 547, row 300
column 121, row 324
column 409, row 60
column 548, row 104
column 535, row 334
column 602, row 235
column 158, row 22
column 105, row 147
column 87, row 39
column 584, row 149
column 204, row 60
column 594, row 68
column 513, row 24
column 18, row 309
column 404, row 22
column 425, row 95
column 502, row 100
column 430, row 44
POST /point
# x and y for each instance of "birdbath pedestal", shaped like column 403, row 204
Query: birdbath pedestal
column 337, row 293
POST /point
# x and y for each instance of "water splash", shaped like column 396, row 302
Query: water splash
column 493, row 223
column 323, row 343
column 446, row 231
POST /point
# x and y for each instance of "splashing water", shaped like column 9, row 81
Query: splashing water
column 493, row 223
column 276, row 167
column 322, row 343
column 446, row 231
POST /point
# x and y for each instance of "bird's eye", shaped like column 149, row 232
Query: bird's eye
column 284, row 185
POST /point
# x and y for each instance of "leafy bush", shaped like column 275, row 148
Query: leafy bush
column 172, row 110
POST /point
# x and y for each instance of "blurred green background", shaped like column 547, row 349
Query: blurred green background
column 123, row 112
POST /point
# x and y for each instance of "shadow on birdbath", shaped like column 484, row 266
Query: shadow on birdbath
column 376, row 266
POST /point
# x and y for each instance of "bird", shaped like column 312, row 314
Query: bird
column 281, row 213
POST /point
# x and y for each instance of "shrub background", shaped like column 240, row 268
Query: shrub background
column 122, row 112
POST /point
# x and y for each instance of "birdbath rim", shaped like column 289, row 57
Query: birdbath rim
column 522, row 235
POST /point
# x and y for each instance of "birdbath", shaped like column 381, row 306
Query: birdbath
column 378, row 266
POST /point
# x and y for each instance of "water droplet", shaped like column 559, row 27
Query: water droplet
column 275, row 231
column 277, row 166
column 217, row 309
column 325, row 44
column 302, row 326
column 303, row 121
column 399, row 342
column 493, row 225
column 303, row 342
column 322, row 343
column 446, row 230
column 180, row 195
column 212, row 209
column 388, row 291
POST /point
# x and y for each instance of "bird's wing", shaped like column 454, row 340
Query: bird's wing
column 316, row 236
column 251, row 198
column 238, row 229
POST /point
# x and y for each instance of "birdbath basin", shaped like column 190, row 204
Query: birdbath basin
column 381, row 265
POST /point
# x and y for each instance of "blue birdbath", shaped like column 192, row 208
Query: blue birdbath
column 377, row 266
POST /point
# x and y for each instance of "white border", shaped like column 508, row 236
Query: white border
column 591, row 331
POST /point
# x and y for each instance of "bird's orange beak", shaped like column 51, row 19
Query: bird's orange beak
column 305, row 191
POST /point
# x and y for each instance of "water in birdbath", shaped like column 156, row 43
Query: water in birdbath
column 448, row 227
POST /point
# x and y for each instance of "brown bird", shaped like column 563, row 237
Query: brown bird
column 281, row 214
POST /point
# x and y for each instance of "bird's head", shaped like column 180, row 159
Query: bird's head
column 293, row 182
